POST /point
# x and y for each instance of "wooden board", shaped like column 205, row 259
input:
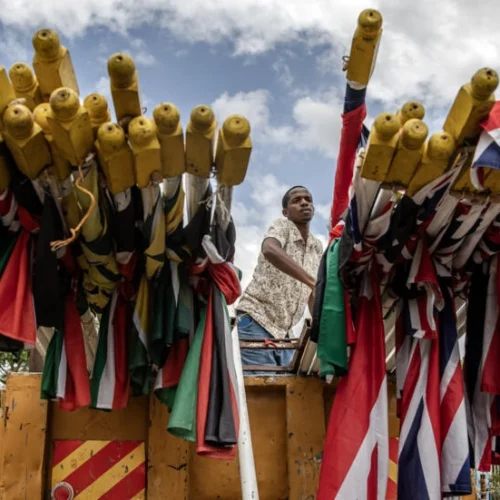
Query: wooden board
column 306, row 436
column 84, row 424
column 267, row 413
column 288, row 417
column 168, row 458
column 24, row 439
column 2, row 434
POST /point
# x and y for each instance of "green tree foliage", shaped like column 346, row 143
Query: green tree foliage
column 13, row 362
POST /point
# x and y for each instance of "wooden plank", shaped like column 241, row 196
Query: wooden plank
column 24, row 438
column 394, row 422
column 267, row 413
column 306, row 435
column 129, row 424
column 2, row 436
column 168, row 458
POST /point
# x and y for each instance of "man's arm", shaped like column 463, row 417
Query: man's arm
column 272, row 251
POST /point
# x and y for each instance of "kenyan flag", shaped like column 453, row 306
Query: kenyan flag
column 65, row 376
column 110, row 377
column 182, row 421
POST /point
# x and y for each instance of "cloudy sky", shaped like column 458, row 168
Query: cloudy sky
column 278, row 62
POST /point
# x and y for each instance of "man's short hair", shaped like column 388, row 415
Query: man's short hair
column 286, row 196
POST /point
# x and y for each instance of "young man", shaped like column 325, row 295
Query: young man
column 283, row 281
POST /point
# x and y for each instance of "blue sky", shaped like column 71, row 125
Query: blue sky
column 276, row 62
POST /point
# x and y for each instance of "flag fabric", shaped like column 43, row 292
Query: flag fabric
column 217, row 405
column 358, row 426
column 356, row 454
column 351, row 134
column 100, row 269
column 153, row 230
column 172, row 323
column 481, row 299
column 7, row 242
column 487, row 152
column 49, row 277
column 332, row 342
column 65, row 376
column 182, row 421
column 418, row 360
column 432, row 399
column 17, row 315
column 138, row 358
column 455, row 461
column 110, row 373
column 110, row 376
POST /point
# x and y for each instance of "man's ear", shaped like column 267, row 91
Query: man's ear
column 285, row 213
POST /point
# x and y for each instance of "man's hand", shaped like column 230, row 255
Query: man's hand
column 310, row 302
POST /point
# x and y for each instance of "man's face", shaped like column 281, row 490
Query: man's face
column 300, row 208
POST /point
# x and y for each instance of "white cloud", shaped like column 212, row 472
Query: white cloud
column 285, row 76
column 323, row 210
column 428, row 50
column 316, row 124
column 13, row 46
column 103, row 87
column 140, row 53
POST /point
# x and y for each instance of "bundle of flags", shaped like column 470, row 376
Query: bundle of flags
column 419, row 252
column 93, row 232
column 161, row 291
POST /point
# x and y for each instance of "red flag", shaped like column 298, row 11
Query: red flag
column 77, row 388
column 352, row 126
column 17, row 314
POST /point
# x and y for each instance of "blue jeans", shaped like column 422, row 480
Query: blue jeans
column 249, row 329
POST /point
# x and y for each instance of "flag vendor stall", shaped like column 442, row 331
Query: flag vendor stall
column 413, row 237
column 93, row 231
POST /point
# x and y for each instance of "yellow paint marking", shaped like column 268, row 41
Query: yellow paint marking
column 115, row 474
column 393, row 471
column 76, row 459
column 140, row 496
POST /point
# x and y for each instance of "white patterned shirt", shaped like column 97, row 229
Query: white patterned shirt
column 275, row 300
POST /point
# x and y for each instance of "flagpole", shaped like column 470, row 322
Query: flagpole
column 248, row 476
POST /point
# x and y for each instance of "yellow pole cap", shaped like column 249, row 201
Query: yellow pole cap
column 387, row 125
column 141, row 131
column 121, row 69
column 111, row 137
column 167, row 118
column 22, row 77
column 65, row 104
column 370, row 23
column 202, row 118
column 47, row 45
column 484, row 83
column 18, row 121
column 236, row 129
column 441, row 146
column 414, row 133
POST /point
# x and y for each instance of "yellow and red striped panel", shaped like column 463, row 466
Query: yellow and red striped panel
column 392, row 482
column 105, row 470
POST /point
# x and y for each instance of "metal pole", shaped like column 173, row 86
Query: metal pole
column 248, row 476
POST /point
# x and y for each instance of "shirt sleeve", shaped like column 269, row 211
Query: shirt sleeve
column 278, row 230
